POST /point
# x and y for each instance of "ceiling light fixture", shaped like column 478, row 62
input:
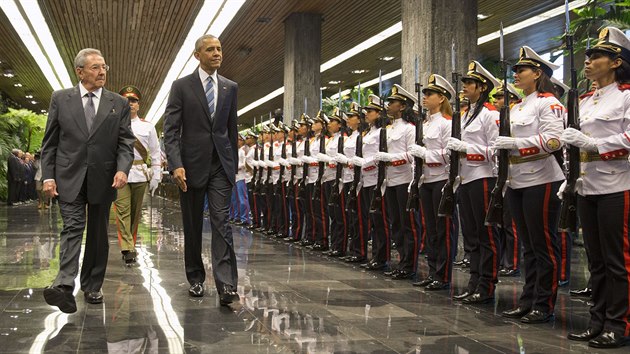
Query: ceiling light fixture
column 29, row 96
column 334, row 82
column 33, row 102
column 213, row 18
column 17, row 84
column 386, row 58
column 359, row 71
column 8, row 73
column 481, row 17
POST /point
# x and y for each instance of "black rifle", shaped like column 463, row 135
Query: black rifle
column 283, row 154
column 377, row 194
column 568, row 211
column 307, row 152
column 351, row 202
column 270, row 169
column 255, row 173
column 334, row 193
column 494, row 216
column 447, row 202
column 291, row 185
column 413, row 199
column 320, row 172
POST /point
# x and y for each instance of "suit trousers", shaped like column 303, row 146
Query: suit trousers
column 96, row 252
column 128, row 209
column 474, row 198
column 338, row 222
column 605, row 220
column 440, row 245
column 535, row 210
column 219, row 192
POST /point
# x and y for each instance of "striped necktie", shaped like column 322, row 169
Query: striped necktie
column 210, row 97
column 90, row 111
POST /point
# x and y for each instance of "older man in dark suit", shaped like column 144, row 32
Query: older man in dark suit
column 200, row 139
column 86, row 155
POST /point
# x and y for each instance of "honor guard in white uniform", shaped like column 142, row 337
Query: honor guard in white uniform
column 289, row 179
column 263, row 201
column 477, row 177
column 303, row 230
column 336, row 211
column 239, row 206
column 536, row 123
column 604, row 189
column 146, row 169
column 379, row 221
column 440, row 244
column 400, row 137
column 251, row 140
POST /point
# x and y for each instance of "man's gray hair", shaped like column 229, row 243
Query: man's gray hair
column 81, row 58
column 199, row 41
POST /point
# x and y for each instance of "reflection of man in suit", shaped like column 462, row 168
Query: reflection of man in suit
column 200, row 142
column 86, row 155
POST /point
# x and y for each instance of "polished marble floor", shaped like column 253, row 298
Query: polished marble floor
column 292, row 301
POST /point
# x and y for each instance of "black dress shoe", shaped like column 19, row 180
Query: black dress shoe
column 391, row 273
column 537, row 316
column 438, row 285
column 510, row 272
column 478, row 298
column 608, row 339
column 515, row 313
column 93, row 297
column 336, row 253
column 196, row 290
column 586, row 292
column 375, row 266
column 584, row 336
column 426, row 281
column 228, row 296
column 355, row 259
column 129, row 257
column 403, row 274
column 462, row 296
column 319, row 247
column 62, row 298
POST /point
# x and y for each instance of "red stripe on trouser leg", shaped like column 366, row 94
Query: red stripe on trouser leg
column 414, row 232
column 312, row 219
column 345, row 225
column 424, row 229
column 516, row 250
column 491, row 237
column 548, row 241
column 360, row 216
column 387, row 238
column 285, row 220
column 563, row 255
column 298, row 229
column 449, row 259
column 626, row 254
column 324, row 221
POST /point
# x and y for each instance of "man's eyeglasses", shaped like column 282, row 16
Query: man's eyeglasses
column 97, row 67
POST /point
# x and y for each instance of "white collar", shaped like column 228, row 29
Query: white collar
column 203, row 75
column 96, row 93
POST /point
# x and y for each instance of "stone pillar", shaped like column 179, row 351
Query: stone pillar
column 302, row 57
column 429, row 28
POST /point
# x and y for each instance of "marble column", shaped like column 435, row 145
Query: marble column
column 302, row 59
column 429, row 29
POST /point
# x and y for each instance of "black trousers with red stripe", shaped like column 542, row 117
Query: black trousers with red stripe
column 320, row 215
column 535, row 210
column 484, row 240
column 261, row 210
column 281, row 212
column 605, row 223
column 358, row 225
column 406, row 224
column 510, row 241
column 440, row 240
column 297, row 213
column 565, row 245
column 253, row 205
column 309, row 215
column 339, row 222
column 379, row 226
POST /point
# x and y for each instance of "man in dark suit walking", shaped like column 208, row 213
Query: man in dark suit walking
column 86, row 155
column 200, row 140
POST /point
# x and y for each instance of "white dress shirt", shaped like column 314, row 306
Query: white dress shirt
column 96, row 99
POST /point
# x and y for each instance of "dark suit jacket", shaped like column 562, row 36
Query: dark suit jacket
column 190, row 138
column 70, row 153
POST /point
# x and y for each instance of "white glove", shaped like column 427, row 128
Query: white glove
column 383, row 156
column 283, row 162
column 308, row 159
column 357, row 161
column 418, row 151
column 323, row 158
column 153, row 185
column 274, row 164
column 342, row 159
column 268, row 164
column 577, row 138
column 259, row 163
column 456, row 144
column 504, row 142
column 563, row 186
column 295, row 161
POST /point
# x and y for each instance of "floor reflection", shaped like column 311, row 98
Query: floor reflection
column 292, row 301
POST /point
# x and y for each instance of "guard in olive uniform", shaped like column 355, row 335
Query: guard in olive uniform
column 145, row 170
column 604, row 191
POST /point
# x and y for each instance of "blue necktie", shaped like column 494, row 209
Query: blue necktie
column 210, row 97
column 90, row 111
